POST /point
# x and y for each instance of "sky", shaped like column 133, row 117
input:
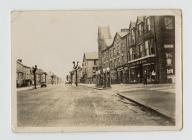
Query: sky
column 53, row 39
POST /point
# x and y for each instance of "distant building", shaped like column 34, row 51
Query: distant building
column 24, row 74
column 72, row 77
column 52, row 78
column 89, row 67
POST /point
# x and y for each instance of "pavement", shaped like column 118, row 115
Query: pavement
column 27, row 88
column 157, row 97
column 71, row 106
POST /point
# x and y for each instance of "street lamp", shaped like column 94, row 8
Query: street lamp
column 34, row 75
column 108, row 77
column 75, row 67
column 104, row 78
column 98, row 77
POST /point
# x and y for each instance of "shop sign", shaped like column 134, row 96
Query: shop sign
column 169, row 71
column 141, row 62
column 168, row 46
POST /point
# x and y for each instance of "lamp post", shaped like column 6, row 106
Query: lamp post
column 104, row 78
column 75, row 67
column 108, row 77
column 34, row 75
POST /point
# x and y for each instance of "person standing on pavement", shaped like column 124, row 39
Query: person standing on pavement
column 138, row 76
column 145, row 77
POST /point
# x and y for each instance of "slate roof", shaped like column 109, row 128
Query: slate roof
column 140, row 19
column 132, row 24
column 91, row 55
column 122, row 34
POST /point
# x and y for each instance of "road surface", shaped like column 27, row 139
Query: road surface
column 66, row 105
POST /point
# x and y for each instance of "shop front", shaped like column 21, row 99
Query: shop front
column 142, row 68
column 120, row 75
column 114, row 76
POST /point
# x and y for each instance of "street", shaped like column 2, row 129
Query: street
column 66, row 105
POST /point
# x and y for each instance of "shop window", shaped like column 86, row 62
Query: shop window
column 169, row 24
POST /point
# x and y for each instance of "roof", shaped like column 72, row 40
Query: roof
column 23, row 64
column 140, row 19
column 104, row 32
column 132, row 24
column 91, row 55
column 122, row 34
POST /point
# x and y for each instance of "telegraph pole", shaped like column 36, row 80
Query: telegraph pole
column 75, row 68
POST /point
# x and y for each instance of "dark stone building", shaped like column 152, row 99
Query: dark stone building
column 153, row 51
column 146, row 47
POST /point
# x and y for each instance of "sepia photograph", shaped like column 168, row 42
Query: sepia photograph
column 103, row 70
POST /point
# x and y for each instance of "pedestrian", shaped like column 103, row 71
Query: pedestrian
column 145, row 77
column 138, row 76
column 153, row 74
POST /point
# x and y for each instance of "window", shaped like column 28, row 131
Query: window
column 117, row 62
column 137, row 51
column 142, row 51
column 168, row 22
column 148, row 24
column 113, row 52
column 95, row 62
column 147, row 48
column 129, row 38
column 117, row 50
column 151, row 46
column 131, row 53
column 140, row 29
column 133, row 35
column 122, row 58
